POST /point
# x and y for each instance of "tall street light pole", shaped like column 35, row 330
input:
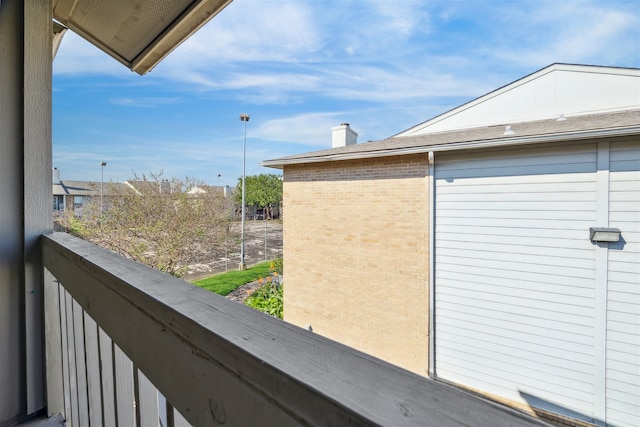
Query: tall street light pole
column 244, row 118
column 102, row 165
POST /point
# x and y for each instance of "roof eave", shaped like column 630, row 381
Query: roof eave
column 462, row 145
column 171, row 33
column 191, row 21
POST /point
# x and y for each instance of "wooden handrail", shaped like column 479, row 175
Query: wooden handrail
column 218, row 361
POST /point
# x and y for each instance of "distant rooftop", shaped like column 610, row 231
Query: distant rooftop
column 82, row 188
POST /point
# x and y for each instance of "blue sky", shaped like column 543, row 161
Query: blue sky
column 300, row 67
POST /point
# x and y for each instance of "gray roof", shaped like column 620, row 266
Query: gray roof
column 82, row 188
column 76, row 188
column 588, row 126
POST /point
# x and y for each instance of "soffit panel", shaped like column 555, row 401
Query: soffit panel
column 138, row 33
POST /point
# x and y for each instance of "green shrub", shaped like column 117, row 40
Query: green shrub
column 268, row 298
column 277, row 265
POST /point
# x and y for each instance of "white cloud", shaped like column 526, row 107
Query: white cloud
column 288, row 41
column 378, row 84
column 402, row 18
column 249, row 31
column 569, row 31
column 313, row 129
column 144, row 102
column 599, row 30
column 77, row 56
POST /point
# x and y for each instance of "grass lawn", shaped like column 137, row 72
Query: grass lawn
column 224, row 283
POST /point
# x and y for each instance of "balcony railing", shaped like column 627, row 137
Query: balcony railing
column 131, row 346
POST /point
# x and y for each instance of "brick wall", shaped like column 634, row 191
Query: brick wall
column 356, row 254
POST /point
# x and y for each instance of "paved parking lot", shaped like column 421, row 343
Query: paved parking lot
column 227, row 260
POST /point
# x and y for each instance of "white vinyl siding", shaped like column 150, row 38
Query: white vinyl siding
column 623, row 309
column 514, row 275
column 526, row 307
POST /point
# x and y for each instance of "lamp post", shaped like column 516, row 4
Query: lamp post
column 244, row 118
column 102, row 165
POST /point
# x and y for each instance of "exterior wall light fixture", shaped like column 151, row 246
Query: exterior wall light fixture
column 602, row 234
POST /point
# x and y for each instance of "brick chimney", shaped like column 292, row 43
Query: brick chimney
column 343, row 135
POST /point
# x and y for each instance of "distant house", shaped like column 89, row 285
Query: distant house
column 495, row 246
column 71, row 195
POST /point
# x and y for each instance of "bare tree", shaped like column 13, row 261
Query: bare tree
column 166, row 224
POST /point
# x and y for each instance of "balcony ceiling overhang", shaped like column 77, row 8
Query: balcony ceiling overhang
column 138, row 33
